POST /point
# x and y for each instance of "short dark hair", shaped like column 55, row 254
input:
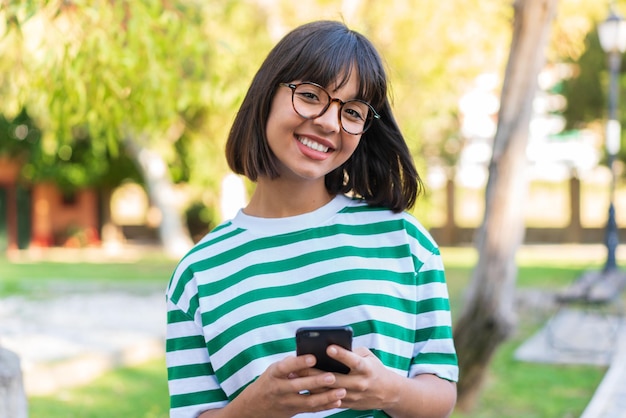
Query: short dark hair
column 381, row 170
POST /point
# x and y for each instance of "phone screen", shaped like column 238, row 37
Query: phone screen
column 315, row 340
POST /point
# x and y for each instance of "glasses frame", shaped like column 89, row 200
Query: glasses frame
column 368, row 122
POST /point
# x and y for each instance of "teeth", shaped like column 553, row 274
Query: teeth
column 313, row 145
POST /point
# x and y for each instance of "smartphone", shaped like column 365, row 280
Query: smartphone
column 315, row 340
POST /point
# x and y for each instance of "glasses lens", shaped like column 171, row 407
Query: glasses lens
column 355, row 116
column 309, row 100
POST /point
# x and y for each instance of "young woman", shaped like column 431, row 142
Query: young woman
column 324, row 241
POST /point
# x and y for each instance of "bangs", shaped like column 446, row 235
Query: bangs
column 330, row 58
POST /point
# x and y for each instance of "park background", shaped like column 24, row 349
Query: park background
column 114, row 117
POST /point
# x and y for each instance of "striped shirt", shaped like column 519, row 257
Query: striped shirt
column 237, row 298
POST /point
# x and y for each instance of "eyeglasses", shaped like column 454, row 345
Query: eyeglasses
column 311, row 100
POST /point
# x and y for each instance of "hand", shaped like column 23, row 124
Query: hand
column 277, row 392
column 369, row 385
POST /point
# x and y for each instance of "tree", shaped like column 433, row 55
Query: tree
column 108, row 78
column 155, row 78
column 488, row 317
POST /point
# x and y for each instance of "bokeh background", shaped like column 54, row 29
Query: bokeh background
column 113, row 120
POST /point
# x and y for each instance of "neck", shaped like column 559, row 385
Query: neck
column 278, row 199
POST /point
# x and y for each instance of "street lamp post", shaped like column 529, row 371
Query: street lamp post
column 612, row 33
column 595, row 289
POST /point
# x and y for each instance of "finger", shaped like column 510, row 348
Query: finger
column 291, row 365
column 324, row 400
column 306, row 401
column 363, row 351
column 310, row 372
column 313, row 384
column 344, row 356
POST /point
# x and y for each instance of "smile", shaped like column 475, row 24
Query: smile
column 312, row 144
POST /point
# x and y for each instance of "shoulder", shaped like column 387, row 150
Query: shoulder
column 360, row 211
column 216, row 242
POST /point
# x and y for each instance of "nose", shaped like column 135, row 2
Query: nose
column 330, row 119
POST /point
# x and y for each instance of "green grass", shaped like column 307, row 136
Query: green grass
column 512, row 389
column 34, row 278
column 518, row 389
column 138, row 392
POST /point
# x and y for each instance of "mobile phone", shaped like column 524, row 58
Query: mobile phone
column 315, row 340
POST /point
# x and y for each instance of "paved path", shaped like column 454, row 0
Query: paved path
column 69, row 340
column 573, row 336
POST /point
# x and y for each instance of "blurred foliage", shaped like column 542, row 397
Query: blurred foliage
column 18, row 136
column 71, row 167
column 587, row 91
column 584, row 91
column 93, row 74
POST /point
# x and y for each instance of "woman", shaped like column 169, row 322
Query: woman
column 325, row 240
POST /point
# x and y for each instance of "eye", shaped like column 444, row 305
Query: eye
column 355, row 111
column 308, row 93
column 308, row 96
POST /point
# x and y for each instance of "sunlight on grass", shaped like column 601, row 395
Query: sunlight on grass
column 28, row 277
column 546, row 267
column 139, row 392
column 534, row 255
column 459, row 256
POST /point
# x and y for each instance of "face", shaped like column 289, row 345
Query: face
column 308, row 149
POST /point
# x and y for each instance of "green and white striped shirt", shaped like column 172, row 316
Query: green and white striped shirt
column 236, row 300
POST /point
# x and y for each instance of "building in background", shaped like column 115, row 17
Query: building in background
column 40, row 215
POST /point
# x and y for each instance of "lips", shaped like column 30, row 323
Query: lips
column 307, row 142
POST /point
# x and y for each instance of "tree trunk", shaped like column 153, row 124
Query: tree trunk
column 489, row 317
column 173, row 233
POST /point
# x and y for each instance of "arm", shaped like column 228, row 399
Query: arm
column 425, row 395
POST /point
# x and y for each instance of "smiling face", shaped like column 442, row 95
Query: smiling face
column 308, row 149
